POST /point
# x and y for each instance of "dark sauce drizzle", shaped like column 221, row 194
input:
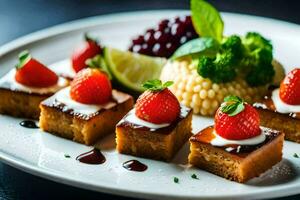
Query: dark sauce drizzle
column 93, row 157
column 28, row 124
column 135, row 165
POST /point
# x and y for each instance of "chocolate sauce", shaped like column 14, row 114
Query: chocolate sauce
column 135, row 165
column 28, row 124
column 92, row 157
column 206, row 135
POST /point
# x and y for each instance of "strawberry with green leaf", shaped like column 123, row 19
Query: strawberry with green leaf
column 89, row 49
column 32, row 73
column 237, row 120
column 157, row 104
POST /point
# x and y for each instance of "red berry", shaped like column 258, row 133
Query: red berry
column 290, row 88
column 91, row 86
column 88, row 50
column 241, row 126
column 168, row 33
column 157, row 106
column 32, row 73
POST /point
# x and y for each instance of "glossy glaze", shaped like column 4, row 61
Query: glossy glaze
column 92, row 157
column 135, row 165
column 206, row 136
column 28, row 124
column 268, row 104
column 185, row 111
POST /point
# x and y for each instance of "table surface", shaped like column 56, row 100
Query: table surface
column 21, row 17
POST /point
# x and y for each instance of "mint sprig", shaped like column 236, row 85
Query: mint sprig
column 24, row 57
column 156, row 85
column 232, row 105
column 197, row 47
column 207, row 20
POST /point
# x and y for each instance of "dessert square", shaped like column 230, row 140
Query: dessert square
column 159, row 143
column 82, row 123
column 21, row 101
column 238, row 163
column 289, row 123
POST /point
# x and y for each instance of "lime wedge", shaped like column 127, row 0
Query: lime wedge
column 132, row 69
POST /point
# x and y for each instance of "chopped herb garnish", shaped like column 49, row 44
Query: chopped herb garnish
column 176, row 180
column 296, row 155
column 67, row 156
column 194, row 176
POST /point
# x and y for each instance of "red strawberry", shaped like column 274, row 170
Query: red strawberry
column 88, row 50
column 290, row 88
column 32, row 73
column 91, row 86
column 158, row 104
column 237, row 120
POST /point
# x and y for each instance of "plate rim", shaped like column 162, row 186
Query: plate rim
column 107, row 19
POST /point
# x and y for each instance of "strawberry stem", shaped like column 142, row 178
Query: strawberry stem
column 88, row 38
column 24, row 57
column 156, row 85
column 232, row 105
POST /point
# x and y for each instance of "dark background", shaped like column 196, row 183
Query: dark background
column 20, row 17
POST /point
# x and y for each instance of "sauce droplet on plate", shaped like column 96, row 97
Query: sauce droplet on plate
column 93, row 157
column 28, row 124
column 135, row 165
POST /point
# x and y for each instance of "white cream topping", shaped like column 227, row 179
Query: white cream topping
column 220, row 141
column 63, row 68
column 132, row 118
column 281, row 106
column 8, row 81
column 63, row 96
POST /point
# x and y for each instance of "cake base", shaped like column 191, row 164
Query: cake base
column 20, row 104
column 86, row 130
column 154, row 144
column 282, row 122
column 236, row 167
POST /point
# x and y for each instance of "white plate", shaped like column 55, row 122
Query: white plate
column 42, row 154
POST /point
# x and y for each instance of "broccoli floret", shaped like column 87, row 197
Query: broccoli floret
column 257, row 59
column 251, row 56
column 221, row 68
column 254, row 41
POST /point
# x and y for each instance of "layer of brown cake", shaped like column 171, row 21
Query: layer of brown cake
column 159, row 144
column 288, row 123
column 239, row 167
column 82, row 128
column 20, row 104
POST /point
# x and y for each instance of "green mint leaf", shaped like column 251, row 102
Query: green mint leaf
column 168, row 84
column 239, row 108
column 232, row 98
column 228, row 108
column 232, row 105
column 24, row 57
column 176, row 180
column 194, row 176
column 200, row 46
column 296, row 155
column 207, row 20
column 156, row 85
